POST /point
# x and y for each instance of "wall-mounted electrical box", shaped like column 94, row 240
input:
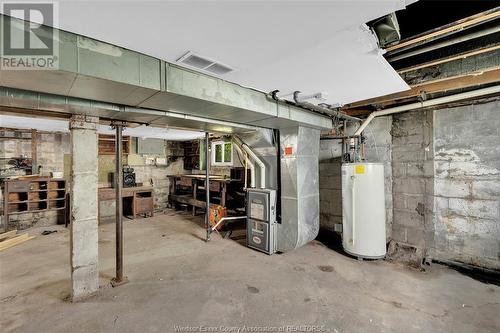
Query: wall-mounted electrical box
column 151, row 146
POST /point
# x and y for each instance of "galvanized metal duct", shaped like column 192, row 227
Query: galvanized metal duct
column 56, row 105
column 93, row 70
column 299, row 187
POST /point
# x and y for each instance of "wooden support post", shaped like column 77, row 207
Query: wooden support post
column 6, row 207
column 34, row 153
column 223, row 194
column 195, row 193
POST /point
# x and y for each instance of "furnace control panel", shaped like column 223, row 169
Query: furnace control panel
column 261, row 219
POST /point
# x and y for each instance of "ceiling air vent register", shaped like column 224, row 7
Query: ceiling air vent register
column 194, row 60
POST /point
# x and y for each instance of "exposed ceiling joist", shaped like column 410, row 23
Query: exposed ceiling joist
column 452, row 58
column 457, row 82
column 465, row 23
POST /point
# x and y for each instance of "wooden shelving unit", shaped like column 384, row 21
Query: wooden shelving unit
column 36, row 194
column 107, row 144
column 191, row 155
column 175, row 149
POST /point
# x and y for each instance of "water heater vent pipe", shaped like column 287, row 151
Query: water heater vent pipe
column 249, row 164
column 254, row 157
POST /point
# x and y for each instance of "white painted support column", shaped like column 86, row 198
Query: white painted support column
column 83, row 229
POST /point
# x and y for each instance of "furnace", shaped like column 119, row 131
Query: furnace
column 261, row 220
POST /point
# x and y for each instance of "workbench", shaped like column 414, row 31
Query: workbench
column 225, row 192
column 142, row 198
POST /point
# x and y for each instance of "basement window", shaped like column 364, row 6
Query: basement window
column 222, row 153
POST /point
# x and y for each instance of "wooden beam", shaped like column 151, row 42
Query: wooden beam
column 365, row 112
column 456, row 26
column 15, row 241
column 13, row 138
column 34, row 153
column 452, row 83
column 449, row 59
column 7, row 235
column 359, row 112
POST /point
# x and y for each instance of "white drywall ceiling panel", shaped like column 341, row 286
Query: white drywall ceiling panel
column 40, row 124
column 55, row 125
column 311, row 46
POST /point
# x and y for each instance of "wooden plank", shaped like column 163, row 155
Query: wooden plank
column 457, row 26
column 13, row 138
column 34, row 153
column 6, row 207
column 106, row 144
column 15, row 241
column 7, row 235
column 188, row 199
column 109, row 193
column 449, row 59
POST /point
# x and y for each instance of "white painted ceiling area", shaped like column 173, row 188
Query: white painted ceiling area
column 58, row 125
column 310, row 46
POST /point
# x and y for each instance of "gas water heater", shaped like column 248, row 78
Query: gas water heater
column 363, row 210
column 261, row 220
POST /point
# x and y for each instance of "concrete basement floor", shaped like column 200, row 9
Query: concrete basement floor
column 178, row 279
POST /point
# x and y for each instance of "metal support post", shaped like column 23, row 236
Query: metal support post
column 207, row 185
column 119, row 279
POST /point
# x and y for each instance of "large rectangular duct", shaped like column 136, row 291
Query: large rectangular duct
column 93, row 70
column 299, row 151
column 299, row 187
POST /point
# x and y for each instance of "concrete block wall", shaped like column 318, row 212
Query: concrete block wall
column 442, row 183
column 51, row 148
column 13, row 148
column 39, row 219
column 158, row 176
column 467, row 184
column 146, row 174
column 378, row 149
column 330, row 192
column 412, row 171
column 446, row 184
